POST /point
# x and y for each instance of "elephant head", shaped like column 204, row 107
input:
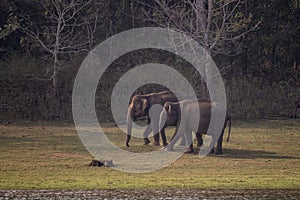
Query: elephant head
column 140, row 106
column 137, row 108
column 169, row 115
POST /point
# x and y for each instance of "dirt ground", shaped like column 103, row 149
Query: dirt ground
column 150, row 194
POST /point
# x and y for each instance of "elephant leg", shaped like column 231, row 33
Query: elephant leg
column 156, row 140
column 146, row 133
column 219, row 143
column 163, row 137
column 180, row 130
column 199, row 139
column 155, row 127
column 212, row 143
column 127, row 140
column 189, row 141
column 183, row 141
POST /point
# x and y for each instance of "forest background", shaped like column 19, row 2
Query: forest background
column 43, row 43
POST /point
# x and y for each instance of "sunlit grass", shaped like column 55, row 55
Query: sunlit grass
column 42, row 155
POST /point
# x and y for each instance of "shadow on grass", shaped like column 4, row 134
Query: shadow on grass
column 254, row 154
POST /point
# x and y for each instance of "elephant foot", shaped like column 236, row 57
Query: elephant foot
column 127, row 145
column 190, row 151
column 168, row 148
column 219, row 151
column 165, row 144
column 146, row 141
column 156, row 143
column 199, row 144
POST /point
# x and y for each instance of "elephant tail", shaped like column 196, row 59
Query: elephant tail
column 229, row 126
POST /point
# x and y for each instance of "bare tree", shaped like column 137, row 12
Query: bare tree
column 214, row 24
column 69, row 29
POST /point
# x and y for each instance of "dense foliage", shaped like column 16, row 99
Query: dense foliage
column 42, row 44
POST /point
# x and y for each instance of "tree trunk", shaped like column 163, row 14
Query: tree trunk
column 203, row 25
column 55, row 77
column 55, row 57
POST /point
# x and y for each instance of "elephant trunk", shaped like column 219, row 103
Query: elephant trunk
column 129, row 126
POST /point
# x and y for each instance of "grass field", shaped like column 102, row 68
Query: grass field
column 40, row 155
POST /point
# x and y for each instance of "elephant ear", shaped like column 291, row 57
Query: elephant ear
column 144, row 104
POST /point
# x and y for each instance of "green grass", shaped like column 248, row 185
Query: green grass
column 42, row 155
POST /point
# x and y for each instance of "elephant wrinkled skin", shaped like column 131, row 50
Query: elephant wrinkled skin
column 171, row 115
column 140, row 106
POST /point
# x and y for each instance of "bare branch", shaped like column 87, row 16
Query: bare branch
column 70, row 30
column 211, row 23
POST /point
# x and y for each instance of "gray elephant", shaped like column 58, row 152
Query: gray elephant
column 140, row 106
column 198, row 135
column 171, row 115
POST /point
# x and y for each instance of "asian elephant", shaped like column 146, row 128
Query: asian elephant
column 198, row 136
column 172, row 114
column 140, row 106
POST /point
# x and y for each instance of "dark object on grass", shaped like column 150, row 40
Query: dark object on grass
column 100, row 163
